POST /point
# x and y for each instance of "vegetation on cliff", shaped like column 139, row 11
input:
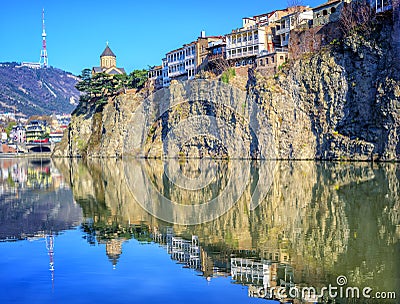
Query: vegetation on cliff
column 99, row 87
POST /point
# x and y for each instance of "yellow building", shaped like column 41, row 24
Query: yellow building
column 108, row 63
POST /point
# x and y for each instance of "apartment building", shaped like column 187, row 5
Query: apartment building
column 244, row 44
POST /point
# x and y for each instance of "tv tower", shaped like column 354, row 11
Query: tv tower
column 44, row 61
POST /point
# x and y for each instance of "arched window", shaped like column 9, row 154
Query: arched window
column 333, row 10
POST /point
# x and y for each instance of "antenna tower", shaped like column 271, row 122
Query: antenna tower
column 44, row 61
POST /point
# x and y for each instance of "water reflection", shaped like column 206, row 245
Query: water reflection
column 34, row 199
column 318, row 221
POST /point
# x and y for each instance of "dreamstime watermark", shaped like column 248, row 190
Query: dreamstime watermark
column 180, row 115
column 341, row 290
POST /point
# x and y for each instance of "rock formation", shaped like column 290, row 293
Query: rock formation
column 340, row 103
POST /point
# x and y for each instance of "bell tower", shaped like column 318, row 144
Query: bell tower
column 108, row 58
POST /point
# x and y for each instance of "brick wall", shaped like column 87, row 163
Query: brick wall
column 313, row 39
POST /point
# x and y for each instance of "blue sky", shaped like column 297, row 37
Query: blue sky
column 139, row 32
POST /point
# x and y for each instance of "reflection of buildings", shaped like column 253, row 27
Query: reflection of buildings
column 50, row 250
column 260, row 276
column 34, row 199
column 114, row 250
column 184, row 251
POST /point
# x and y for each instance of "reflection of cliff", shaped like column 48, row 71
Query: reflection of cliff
column 324, row 219
column 34, row 200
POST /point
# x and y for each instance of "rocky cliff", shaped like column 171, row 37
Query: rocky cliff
column 340, row 103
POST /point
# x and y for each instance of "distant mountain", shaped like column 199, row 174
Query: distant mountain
column 36, row 91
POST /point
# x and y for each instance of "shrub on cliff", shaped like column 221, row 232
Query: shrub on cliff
column 228, row 75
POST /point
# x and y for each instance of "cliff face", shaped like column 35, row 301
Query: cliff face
column 340, row 103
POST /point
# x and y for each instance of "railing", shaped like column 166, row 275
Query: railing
column 283, row 49
column 283, row 31
column 241, row 44
column 244, row 54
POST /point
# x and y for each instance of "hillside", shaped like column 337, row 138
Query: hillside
column 36, row 91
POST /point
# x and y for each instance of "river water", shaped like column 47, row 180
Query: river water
column 148, row 231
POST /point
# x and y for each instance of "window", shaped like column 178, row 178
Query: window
column 333, row 10
column 239, row 40
column 250, row 37
column 255, row 36
column 261, row 62
column 324, row 12
column 266, row 60
column 281, row 57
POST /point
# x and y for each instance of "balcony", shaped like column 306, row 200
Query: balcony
column 283, row 31
column 242, row 55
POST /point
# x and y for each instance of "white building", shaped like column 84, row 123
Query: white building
column 18, row 134
column 166, row 80
column 182, row 62
column 246, row 42
column 155, row 74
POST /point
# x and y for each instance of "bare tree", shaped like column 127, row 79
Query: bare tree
column 356, row 16
column 295, row 5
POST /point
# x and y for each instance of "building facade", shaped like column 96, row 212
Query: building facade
column 18, row 134
column 327, row 12
column 36, row 130
column 244, row 44
column 155, row 75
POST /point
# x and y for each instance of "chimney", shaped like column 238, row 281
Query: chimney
column 203, row 34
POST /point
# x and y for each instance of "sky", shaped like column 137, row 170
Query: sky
column 140, row 33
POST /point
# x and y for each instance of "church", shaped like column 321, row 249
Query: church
column 108, row 64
